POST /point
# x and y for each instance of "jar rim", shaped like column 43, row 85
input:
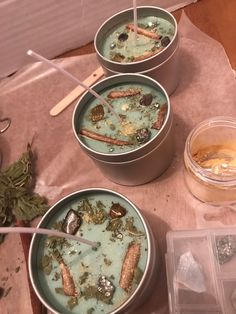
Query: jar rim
column 200, row 172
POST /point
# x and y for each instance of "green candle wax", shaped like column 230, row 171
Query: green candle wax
column 137, row 112
column 87, row 265
column 120, row 44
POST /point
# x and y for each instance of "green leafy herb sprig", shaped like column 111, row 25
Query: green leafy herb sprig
column 17, row 199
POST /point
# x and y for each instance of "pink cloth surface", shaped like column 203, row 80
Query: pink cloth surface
column 207, row 88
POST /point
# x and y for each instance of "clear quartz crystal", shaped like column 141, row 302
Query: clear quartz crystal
column 189, row 273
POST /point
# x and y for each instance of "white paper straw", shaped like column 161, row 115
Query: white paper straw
column 73, row 78
column 48, row 232
column 135, row 20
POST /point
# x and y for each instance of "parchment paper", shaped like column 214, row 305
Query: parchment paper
column 207, row 88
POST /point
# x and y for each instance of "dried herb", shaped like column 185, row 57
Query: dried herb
column 92, row 214
column 97, row 113
column 114, row 225
column 83, row 277
column 54, row 242
column 72, row 302
column 104, row 291
column 59, row 290
column 117, row 57
column 47, row 264
column 17, row 199
column 131, row 228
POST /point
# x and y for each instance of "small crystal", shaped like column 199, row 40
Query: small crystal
column 157, row 106
column 113, row 45
column 226, row 248
column 189, row 273
column 123, row 37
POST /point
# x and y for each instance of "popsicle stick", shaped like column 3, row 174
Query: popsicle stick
column 75, row 93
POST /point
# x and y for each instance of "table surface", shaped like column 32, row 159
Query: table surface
column 214, row 17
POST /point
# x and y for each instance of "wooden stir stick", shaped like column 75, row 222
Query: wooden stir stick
column 75, row 93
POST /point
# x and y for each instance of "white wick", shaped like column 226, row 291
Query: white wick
column 73, row 78
column 135, row 20
column 47, row 232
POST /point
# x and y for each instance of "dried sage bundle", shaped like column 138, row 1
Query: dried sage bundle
column 17, row 199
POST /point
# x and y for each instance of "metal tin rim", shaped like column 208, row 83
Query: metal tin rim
column 135, row 152
column 140, row 157
column 143, row 64
column 81, row 192
column 145, row 72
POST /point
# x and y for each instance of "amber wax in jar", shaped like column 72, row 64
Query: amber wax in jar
column 210, row 160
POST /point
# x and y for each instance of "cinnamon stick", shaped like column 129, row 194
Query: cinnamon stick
column 123, row 93
column 160, row 118
column 103, row 138
column 128, row 267
column 144, row 32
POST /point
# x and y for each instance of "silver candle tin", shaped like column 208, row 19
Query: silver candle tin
column 150, row 274
column 139, row 165
column 163, row 67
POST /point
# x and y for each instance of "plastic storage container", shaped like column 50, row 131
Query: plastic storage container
column 201, row 271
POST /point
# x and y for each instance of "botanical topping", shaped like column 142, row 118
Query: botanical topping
column 71, row 222
column 117, row 211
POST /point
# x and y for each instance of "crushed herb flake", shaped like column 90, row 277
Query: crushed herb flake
column 131, row 228
column 72, row 302
column 59, row 290
column 92, row 214
column 90, row 310
column 83, row 277
column 114, row 225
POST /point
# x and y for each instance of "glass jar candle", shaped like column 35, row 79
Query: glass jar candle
column 210, row 160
